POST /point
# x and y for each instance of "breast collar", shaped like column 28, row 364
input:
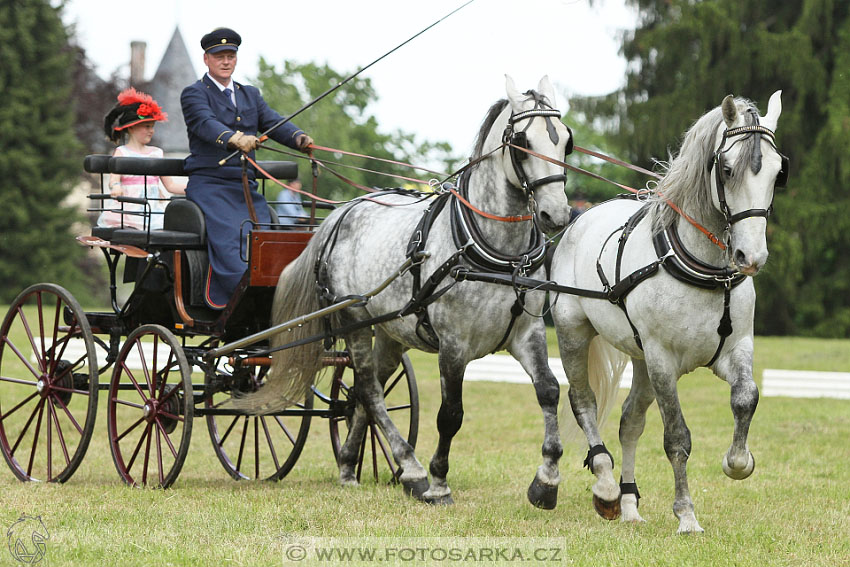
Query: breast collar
column 481, row 254
column 685, row 267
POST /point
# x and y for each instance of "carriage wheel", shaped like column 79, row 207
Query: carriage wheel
column 254, row 447
column 150, row 407
column 402, row 400
column 48, row 384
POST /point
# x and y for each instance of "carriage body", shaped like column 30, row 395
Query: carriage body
column 150, row 353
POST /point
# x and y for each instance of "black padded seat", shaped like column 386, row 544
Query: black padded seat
column 131, row 236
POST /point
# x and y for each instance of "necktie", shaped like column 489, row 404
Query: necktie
column 227, row 93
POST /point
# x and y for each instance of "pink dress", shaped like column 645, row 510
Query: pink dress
column 149, row 187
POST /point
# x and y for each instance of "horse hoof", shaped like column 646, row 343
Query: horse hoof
column 416, row 487
column 608, row 510
column 444, row 500
column 543, row 496
column 739, row 474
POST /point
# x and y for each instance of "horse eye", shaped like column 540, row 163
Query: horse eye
column 727, row 171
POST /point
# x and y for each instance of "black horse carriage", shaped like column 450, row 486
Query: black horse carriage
column 166, row 358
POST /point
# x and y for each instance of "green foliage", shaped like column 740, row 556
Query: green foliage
column 39, row 158
column 684, row 57
column 342, row 121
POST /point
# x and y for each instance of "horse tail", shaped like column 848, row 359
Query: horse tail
column 293, row 370
column 605, row 367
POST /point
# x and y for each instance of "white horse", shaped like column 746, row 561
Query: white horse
column 363, row 243
column 678, row 300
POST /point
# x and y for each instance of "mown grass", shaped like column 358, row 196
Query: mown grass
column 794, row 510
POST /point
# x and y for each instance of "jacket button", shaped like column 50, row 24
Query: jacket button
column 239, row 119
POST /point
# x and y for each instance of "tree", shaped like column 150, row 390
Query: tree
column 684, row 57
column 39, row 157
column 341, row 121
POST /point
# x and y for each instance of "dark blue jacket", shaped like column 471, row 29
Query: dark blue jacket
column 211, row 120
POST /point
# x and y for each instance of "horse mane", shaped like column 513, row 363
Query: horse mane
column 487, row 125
column 687, row 179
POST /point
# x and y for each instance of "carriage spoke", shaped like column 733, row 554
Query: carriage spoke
column 59, row 433
column 145, row 370
column 49, row 441
column 374, row 451
column 392, row 384
column 227, row 433
column 170, row 415
column 19, row 406
column 242, row 444
column 135, row 382
column 150, row 433
column 69, row 414
column 26, row 427
column 40, row 410
column 138, row 445
column 25, row 360
column 271, row 444
column 256, row 447
column 54, row 359
column 159, row 453
column 386, row 453
column 130, row 429
column 167, row 438
column 285, row 429
column 360, row 457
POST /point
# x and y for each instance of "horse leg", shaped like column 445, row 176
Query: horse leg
column 738, row 462
column 449, row 421
column 677, row 444
column 530, row 351
column 575, row 348
column 370, row 395
column 386, row 356
column 632, row 423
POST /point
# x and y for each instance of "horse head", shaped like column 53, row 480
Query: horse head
column 526, row 121
column 745, row 170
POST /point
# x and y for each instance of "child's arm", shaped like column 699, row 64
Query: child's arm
column 115, row 189
column 172, row 186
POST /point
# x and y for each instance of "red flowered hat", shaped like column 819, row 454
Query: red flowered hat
column 133, row 108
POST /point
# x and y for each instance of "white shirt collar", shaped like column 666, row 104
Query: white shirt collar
column 219, row 85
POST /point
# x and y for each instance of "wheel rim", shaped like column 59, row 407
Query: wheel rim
column 151, row 381
column 48, row 384
column 402, row 401
column 258, row 446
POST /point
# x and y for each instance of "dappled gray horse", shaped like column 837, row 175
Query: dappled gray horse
column 494, row 220
column 678, row 300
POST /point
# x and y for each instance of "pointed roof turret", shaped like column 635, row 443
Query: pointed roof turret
column 175, row 72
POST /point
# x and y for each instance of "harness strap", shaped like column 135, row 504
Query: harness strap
column 724, row 329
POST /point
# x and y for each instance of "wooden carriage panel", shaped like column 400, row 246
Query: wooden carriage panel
column 271, row 251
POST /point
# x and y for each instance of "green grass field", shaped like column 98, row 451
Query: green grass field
column 794, row 510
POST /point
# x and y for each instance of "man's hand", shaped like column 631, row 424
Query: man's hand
column 303, row 142
column 243, row 142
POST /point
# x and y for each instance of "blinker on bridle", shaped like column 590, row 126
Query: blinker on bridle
column 717, row 162
column 519, row 138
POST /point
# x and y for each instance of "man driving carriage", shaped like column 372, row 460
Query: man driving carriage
column 222, row 115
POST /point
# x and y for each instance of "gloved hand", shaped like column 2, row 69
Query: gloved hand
column 303, row 142
column 243, row 142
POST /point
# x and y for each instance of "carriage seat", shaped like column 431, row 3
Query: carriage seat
column 183, row 227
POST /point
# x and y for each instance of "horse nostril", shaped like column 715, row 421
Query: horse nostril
column 546, row 218
column 740, row 258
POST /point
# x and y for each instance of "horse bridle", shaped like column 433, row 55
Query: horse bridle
column 513, row 137
column 717, row 162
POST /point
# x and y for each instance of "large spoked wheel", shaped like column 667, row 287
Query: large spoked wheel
column 150, row 408
column 254, row 447
column 48, row 384
column 402, row 400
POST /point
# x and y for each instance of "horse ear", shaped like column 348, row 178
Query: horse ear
column 774, row 109
column 513, row 93
column 730, row 111
column 545, row 88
